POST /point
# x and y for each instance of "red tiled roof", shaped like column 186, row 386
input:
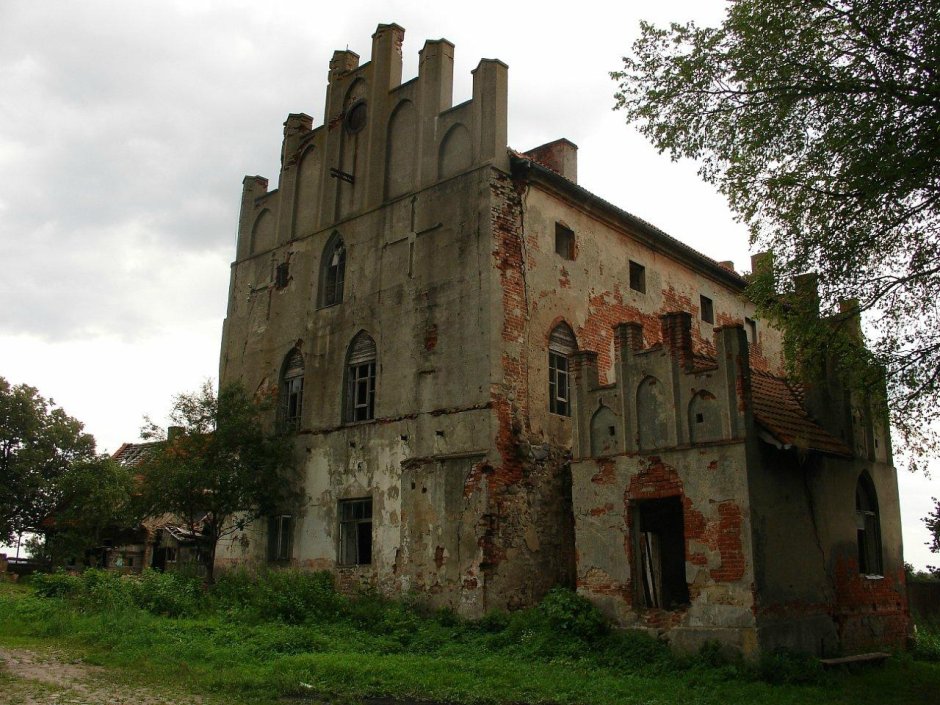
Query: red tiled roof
column 778, row 410
column 132, row 454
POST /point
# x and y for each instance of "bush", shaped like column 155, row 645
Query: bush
column 289, row 596
column 167, row 594
column 785, row 667
column 926, row 646
column 58, row 584
column 571, row 614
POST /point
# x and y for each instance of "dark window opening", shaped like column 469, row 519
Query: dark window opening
column 700, row 418
column 360, row 379
column 637, row 277
column 281, row 275
column 708, row 309
column 356, row 117
column 355, row 531
column 280, row 538
column 561, row 344
column 292, row 389
column 868, row 527
column 333, row 272
column 564, row 241
column 660, row 553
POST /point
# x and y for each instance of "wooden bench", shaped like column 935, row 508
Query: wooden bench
column 876, row 658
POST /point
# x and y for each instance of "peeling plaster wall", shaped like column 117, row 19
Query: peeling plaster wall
column 712, row 485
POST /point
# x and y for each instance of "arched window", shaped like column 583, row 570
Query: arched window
column 561, row 344
column 360, row 379
column 292, row 388
column 868, row 527
column 332, row 271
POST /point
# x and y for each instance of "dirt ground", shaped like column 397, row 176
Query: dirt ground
column 52, row 678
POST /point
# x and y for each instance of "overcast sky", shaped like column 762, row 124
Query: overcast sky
column 126, row 128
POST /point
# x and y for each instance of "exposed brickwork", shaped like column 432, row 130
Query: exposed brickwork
column 869, row 612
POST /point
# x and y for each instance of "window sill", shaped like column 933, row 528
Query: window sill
column 872, row 576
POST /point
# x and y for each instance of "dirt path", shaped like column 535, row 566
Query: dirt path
column 51, row 678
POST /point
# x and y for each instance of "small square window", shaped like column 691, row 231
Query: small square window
column 281, row 275
column 637, row 277
column 564, row 241
column 355, row 531
column 707, row 309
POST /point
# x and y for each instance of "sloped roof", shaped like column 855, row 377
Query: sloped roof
column 778, row 410
column 132, row 454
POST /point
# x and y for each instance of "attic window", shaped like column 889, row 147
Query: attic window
column 564, row 241
column 707, row 309
column 355, row 117
column 637, row 277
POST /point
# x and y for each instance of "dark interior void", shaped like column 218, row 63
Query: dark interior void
column 660, row 553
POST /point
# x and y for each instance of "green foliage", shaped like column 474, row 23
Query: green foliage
column 289, row 596
column 785, row 667
column 38, row 445
column 223, row 470
column 168, row 594
column 819, row 121
column 926, row 646
column 57, row 584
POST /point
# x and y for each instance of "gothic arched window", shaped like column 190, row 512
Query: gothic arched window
column 561, row 344
column 291, row 402
column 332, row 271
column 360, row 379
column 868, row 526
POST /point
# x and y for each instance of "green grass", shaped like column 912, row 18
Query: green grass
column 289, row 635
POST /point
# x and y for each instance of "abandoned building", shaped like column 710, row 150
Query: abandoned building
column 501, row 382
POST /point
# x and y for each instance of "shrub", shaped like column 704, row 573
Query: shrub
column 57, row 584
column 104, row 590
column 926, row 646
column 289, row 596
column 785, row 667
column 571, row 614
column 167, row 594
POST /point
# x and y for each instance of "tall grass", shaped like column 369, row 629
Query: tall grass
column 257, row 637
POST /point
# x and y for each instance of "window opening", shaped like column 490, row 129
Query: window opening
column 660, row 553
column 637, row 277
column 360, row 379
column 280, row 537
column 356, row 117
column 750, row 327
column 564, row 241
column 333, row 272
column 707, row 309
column 292, row 389
column 355, row 531
column 561, row 344
column 281, row 275
column 868, row 527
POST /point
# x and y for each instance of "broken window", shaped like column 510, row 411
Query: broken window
column 280, row 538
column 637, row 277
column 332, row 271
column 659, row 552
column 561, row 344
column 355, row 531
column 868, row 527
column 281, row 275
column 360, row 379
column 707, row 309
column 292, row 389
column 564, row 241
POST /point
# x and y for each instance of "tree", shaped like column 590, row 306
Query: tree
column 39, row 443
column 819, row 120
column 96, row 497
column 223, row 469
column 932, row 522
